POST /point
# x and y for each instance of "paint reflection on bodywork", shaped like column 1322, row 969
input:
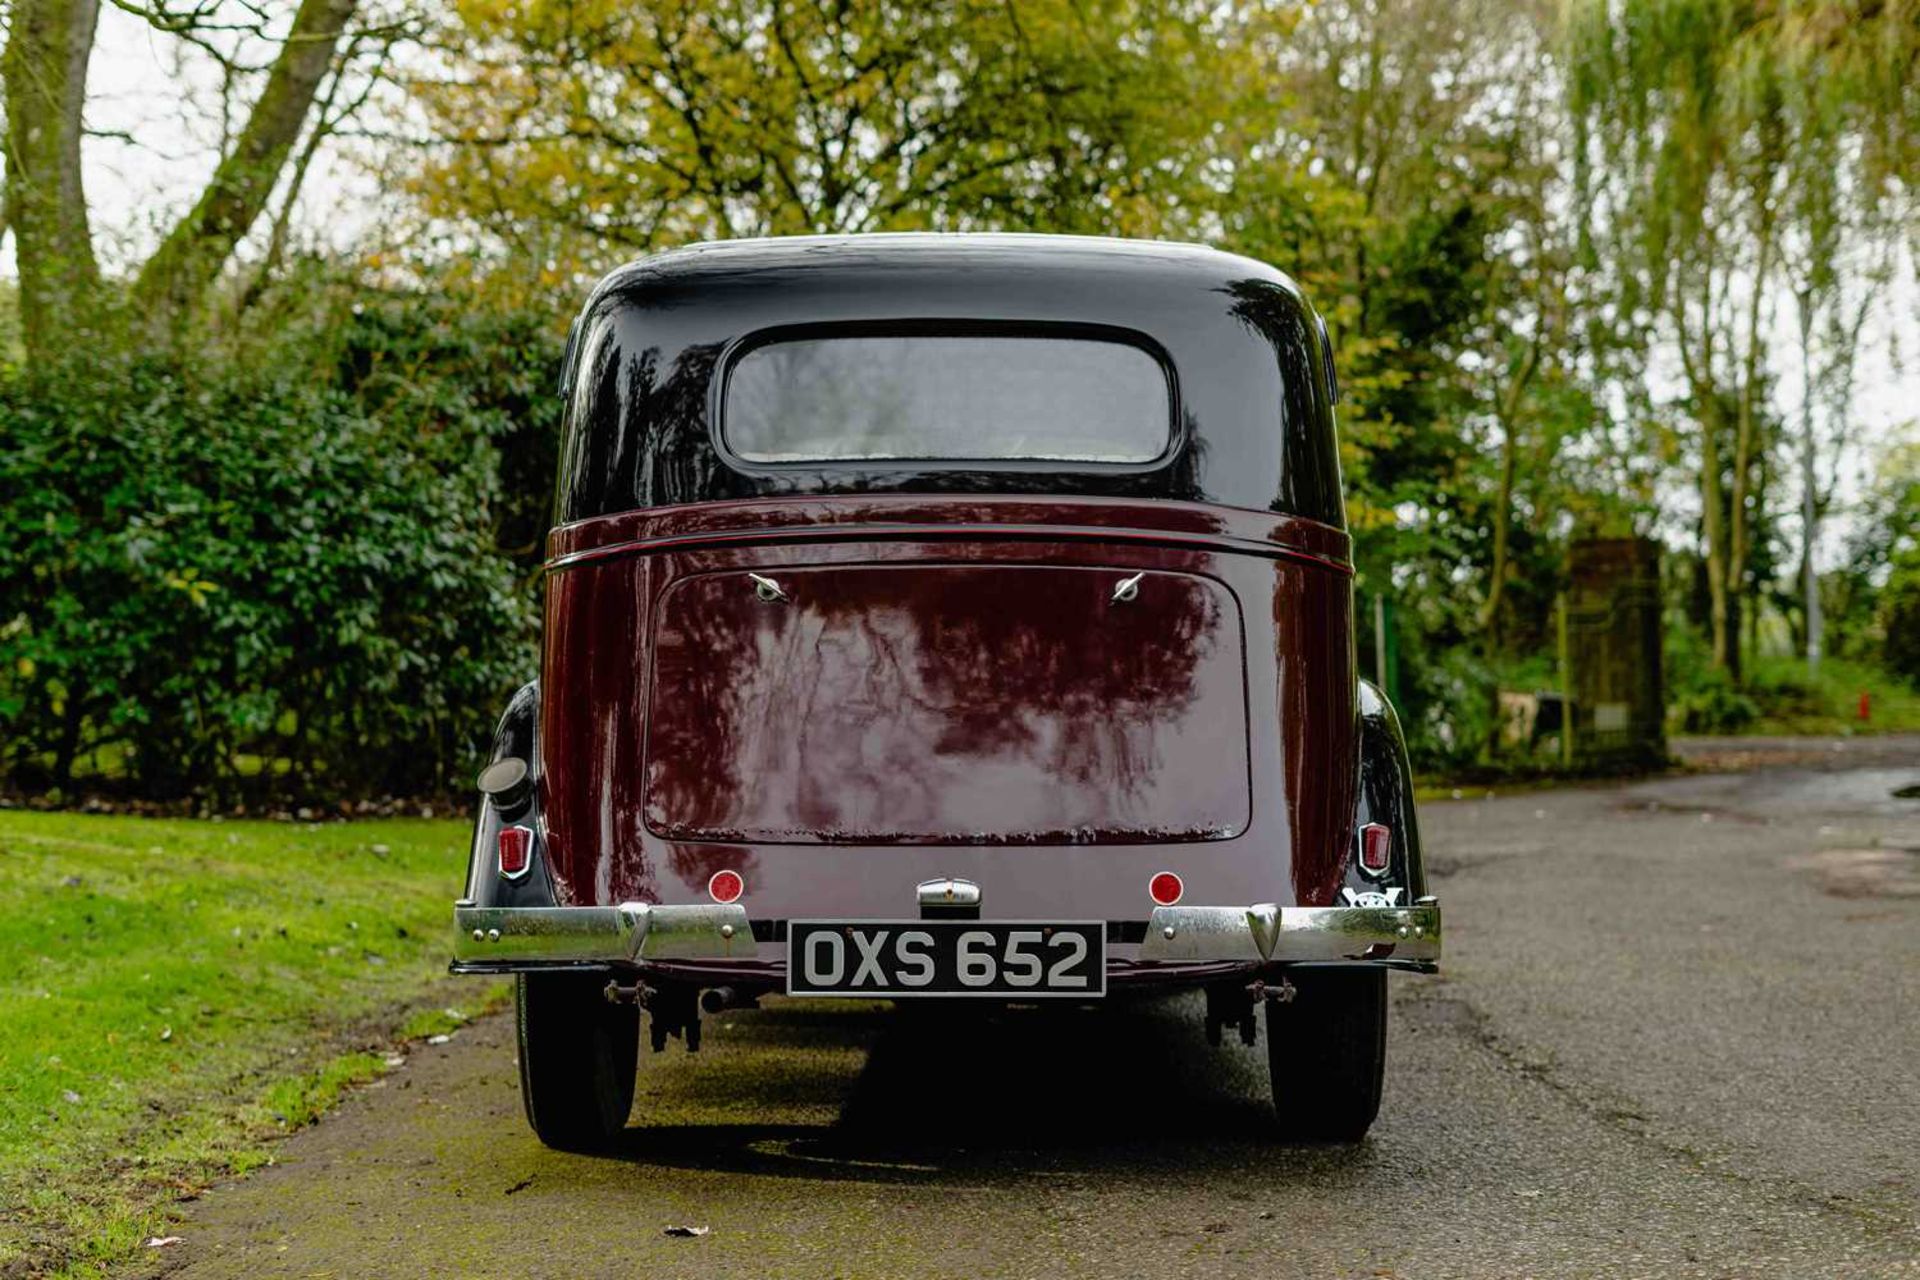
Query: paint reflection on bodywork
column 948, row 704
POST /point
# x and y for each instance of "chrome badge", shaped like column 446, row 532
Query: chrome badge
column 1372, row 897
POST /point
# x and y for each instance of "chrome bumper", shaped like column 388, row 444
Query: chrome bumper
column 1288, row 934
column 588, row 935
column 504, row 937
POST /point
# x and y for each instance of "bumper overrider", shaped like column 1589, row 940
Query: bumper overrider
column 511, row 938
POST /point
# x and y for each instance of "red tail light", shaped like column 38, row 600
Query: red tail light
column 1376, row 849
column 516, row 851
column 1165, row 889
column 726, row 886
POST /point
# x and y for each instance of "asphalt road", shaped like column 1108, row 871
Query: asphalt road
column 1677, row 1035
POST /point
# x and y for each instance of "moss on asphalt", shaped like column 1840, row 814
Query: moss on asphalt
column 177, row 993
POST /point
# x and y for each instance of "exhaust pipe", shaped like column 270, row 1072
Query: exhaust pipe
column 718, row 999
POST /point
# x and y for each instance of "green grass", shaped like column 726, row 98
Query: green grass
column 176, row 994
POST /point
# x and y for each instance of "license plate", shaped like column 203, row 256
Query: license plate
column 1018, row 959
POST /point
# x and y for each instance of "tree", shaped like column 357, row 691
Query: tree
column 190, row 258
column 1411, row 168
column 1370, row 174
column 576, row 133
column 1706, row 130
column 1844, row 229
column 48, row 53
column 49, row 47
column 1686, row 217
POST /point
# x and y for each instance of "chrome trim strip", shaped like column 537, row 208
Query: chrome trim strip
column 918, row 531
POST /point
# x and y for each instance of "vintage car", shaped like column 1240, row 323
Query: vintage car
column 943, row 616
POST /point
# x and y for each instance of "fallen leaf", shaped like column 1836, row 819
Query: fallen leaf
column 161, row 1242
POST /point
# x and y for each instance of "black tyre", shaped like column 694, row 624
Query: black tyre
column 1327, row 1053
column 578, row 1054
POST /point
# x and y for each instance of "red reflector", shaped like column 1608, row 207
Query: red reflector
column 516, row 850
column 1376, row 848
column 726, row 886
column 1165, row 888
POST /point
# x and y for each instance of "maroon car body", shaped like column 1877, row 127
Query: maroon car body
column 865, row 682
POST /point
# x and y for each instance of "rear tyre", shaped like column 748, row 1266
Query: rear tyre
column 578, row 1054
column 1327, row 1053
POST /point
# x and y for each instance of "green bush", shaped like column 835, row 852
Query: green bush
column 1713, row 705
column 1784, row 689
column 1899, row 618
column 441, row 366
column 1701, row 698
column 223, row 580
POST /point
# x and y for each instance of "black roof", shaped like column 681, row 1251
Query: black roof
column 1248, row 355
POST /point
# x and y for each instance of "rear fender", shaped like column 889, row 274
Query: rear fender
column 1385, row 796
column 516, row 736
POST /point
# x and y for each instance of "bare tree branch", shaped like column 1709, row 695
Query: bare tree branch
column 176, row 278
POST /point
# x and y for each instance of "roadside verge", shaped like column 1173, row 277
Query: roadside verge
column 180, row 993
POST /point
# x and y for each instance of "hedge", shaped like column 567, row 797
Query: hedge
column 234, row 580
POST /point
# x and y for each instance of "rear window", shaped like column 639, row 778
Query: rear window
column 960, row 399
